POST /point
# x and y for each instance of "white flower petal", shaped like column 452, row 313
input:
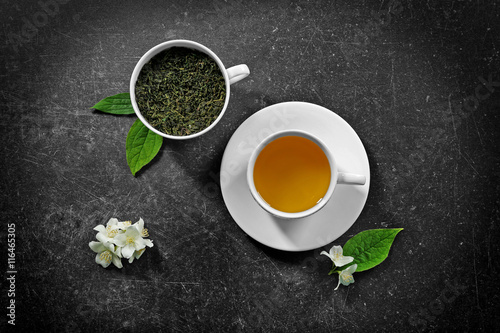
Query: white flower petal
column 109, row 246
column 120, row 239
column 347, row 280
column 326, row 254
column 133, row 232
column 343, row 261
column 138, row 254
column 100, row 228
column 139, row 224
column 351, row 269
column 102, row 238
column 112, row 222
column 117, row 261
column 98, row 258
column 118, row 251
column 148, row 242
column 101, row 262
column 336, row 251
column 139, row 244
column 338, row 284
column 127, row 251
column 124, row 225
column 97, row 246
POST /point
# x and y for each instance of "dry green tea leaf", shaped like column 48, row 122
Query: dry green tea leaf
column 180, row 91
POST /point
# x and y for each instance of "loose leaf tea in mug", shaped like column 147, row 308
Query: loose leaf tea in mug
column 180, row 91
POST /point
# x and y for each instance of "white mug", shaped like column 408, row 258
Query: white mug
column 231, row 75
column 336, row 177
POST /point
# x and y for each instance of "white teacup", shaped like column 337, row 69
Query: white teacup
column 336, row 177
column 231, row 75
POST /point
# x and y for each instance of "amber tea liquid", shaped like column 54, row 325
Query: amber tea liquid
column 292, row 174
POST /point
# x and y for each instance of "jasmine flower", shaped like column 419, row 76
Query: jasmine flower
column 107, row 253
column 337, row 257
column 345, row 277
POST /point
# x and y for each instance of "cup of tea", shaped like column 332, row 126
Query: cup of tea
column 292, row 174
column 180, row 89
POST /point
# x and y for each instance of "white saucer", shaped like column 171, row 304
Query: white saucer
column 314, row 231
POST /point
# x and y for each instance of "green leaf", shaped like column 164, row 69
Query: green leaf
column 116, row 104
column 369, row 248
column 142, row 146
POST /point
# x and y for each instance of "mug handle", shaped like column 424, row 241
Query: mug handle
column 237, row 73
column 351, row 178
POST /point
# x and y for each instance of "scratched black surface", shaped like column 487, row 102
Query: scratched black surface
column 405, row 75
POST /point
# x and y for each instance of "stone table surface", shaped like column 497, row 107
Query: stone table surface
column 418, row 81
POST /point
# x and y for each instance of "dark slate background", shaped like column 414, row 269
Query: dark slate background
column 407, row 76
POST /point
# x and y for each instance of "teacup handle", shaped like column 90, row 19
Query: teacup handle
column 351, row 178
column 237, row 73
